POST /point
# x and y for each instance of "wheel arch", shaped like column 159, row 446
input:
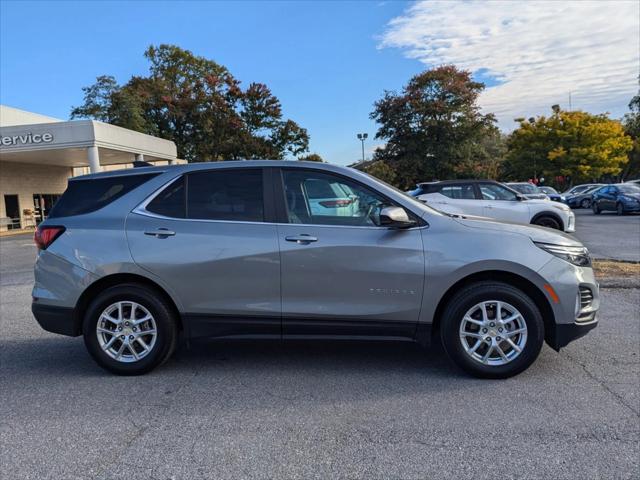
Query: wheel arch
column 118, row 279
column 510, row 278
column 547, row 213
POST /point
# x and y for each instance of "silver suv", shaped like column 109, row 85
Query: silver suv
column 135, row 259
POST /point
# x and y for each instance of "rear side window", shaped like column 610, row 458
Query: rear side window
column 84, row 196
column 459, row 192
column 232, row 195
column 171, row 202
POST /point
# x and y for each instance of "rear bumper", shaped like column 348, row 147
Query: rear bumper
column 563, row 334
column 55, row 319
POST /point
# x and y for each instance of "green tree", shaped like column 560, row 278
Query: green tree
column 578, row 144
column 380, row 170
column 631, row 123
column 199, row 105
column 312, row 157
column 433, row 126
column 485, row 161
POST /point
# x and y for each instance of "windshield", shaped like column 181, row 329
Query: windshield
column 629, row 188
column 548, row 190
column 526, row 188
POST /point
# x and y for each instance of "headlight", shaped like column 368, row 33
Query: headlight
column 576, row 255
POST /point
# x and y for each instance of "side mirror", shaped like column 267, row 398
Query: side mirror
column 395, row 217
column 520, row 198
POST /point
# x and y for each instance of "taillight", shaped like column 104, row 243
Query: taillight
column 45, row 236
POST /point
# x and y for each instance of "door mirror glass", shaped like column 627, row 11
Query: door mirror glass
column 395, row 217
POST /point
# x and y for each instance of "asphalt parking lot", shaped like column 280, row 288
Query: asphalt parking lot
column 608, row 235
column 315, row 410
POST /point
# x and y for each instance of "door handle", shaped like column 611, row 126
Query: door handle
column 160, row 233
column 302, row 239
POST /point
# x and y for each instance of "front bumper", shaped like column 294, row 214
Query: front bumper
column 630, row 207
column 576, row 302
column 563, row 334
column 55, row 319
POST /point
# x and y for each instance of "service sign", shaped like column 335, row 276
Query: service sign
column 27, row 138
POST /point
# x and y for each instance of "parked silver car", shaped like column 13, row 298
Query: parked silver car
column 134, row 259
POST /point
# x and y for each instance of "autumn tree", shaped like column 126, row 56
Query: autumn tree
column 631, row 123
column 380, row 170
column 199, row 105
column 312, row 157
column 433, row 126
column 577, row 144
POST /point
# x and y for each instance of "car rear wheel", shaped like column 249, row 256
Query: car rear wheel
column 548, row 221
column 130, row 330
column 595, row 208
column 619, row 209
column 492, row 330
column 585, row 203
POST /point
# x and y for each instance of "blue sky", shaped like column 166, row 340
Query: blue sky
column 320, row 59
column 329, row 61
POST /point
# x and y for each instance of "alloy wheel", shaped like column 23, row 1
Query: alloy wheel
column 493, row 333
column 126, row 331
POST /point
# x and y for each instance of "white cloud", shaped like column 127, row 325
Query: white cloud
column 539, row 51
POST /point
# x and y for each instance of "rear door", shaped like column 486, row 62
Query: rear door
column 342, row 274
column 208, row 238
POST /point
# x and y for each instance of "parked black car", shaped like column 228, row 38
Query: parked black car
column 582, row 199
column 620, row 197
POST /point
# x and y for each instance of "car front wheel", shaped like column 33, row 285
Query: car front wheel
column 130, row 329
column 586, row 203
column 620, row 209
column 492, row 330
column 595, row 208
column 547, row 221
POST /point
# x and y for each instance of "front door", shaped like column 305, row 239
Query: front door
column 214, row 251
column 342, row 274
column 502, row 204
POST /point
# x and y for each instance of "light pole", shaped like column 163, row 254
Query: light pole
column 362, row 137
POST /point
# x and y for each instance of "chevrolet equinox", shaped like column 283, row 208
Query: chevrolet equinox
column 135, row 259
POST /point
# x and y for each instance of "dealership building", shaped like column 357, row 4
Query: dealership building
column 38, row 154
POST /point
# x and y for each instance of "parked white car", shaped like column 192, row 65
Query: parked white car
column 486, row 198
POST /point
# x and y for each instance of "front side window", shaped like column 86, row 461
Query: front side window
column 491, row 191
column 459, row 192
column 232, row 195
column 317, row 198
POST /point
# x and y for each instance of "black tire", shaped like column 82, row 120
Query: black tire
column 548, row 221
column 478, row 292
column 166, row 326
column 595, row 208
column 585, row 203
column 619, row 209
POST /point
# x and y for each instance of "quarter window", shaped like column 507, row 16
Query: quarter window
column 318, row 198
